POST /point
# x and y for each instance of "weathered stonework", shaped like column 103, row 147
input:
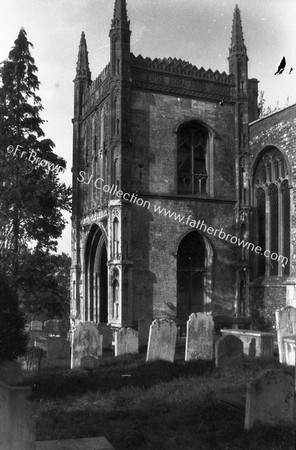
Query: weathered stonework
column 276, row 130
column 129, row 259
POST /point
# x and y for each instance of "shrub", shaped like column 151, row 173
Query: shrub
column 13, row 339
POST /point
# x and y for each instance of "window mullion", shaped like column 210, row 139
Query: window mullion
column 280, row 228
column 192, row 162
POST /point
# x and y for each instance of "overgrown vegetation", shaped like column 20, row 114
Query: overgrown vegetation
column 13, row 339
column 159, row 406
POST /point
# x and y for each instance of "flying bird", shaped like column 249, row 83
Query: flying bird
column 291, row 70
column 281, row 67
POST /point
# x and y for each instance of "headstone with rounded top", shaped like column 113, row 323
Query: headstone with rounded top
column 86, row 341
column 162, row 340
column 229, row 352
column 199, row 337
column 126, row 342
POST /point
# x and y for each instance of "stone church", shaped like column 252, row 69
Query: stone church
column 160, row 146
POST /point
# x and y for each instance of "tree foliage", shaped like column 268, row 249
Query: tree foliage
column 44, row 285
column 13, row 339
column 31, row 196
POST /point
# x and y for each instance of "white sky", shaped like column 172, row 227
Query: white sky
column 198, row 31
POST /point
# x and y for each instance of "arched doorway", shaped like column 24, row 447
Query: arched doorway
column 95, row 278
column 191, row 272
column 103, row 298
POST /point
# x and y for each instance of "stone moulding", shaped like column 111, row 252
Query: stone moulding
column 180, row 78
column 167, row 75
column 180, row 67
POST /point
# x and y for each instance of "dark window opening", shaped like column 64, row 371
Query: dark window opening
column 192, row 149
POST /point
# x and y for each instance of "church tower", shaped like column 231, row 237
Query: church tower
column 151, row 137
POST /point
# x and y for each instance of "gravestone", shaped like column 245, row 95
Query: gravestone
column 229, row 352
column 270, row 399
column 86, row 341
column 58, row 348
column 57, row 327
column 41, row 342
column 35, row 335
column 290, row 350
column 199, row 337
column 286, row 326
column 107, row 333
column 162, row 340
column 17, row 425
column 88, row 362
column 36, row 325
column 126, row 342
column 143, row 330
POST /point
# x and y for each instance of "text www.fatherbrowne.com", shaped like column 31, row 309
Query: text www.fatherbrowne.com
column 218, row 232
column 189, row 220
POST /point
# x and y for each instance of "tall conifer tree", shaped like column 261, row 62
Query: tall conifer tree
column 31, row 196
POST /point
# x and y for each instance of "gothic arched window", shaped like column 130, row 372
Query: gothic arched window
column 272, row 214
column 192, row 159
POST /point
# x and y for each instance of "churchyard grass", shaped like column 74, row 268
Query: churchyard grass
column 157, row 405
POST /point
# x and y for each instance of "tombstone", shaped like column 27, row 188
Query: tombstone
column 126, row 342
column 88, row 362
column 290, row 350
column 86, row 341
column 285, row 326
column 35, row 335
column 291, row 295
column 143, row 330
column 270, row 399
column 107, row 333
column 17, row 426
column 41, row 342
column 11, row 373
column 162, row 340
column 36, row 325
column 199, row 337
column 57, row 327
column 58, row 348
column 229, row 353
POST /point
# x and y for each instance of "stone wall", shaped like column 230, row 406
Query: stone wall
column 277, row 129
column 155, row 238
column 154, row 121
